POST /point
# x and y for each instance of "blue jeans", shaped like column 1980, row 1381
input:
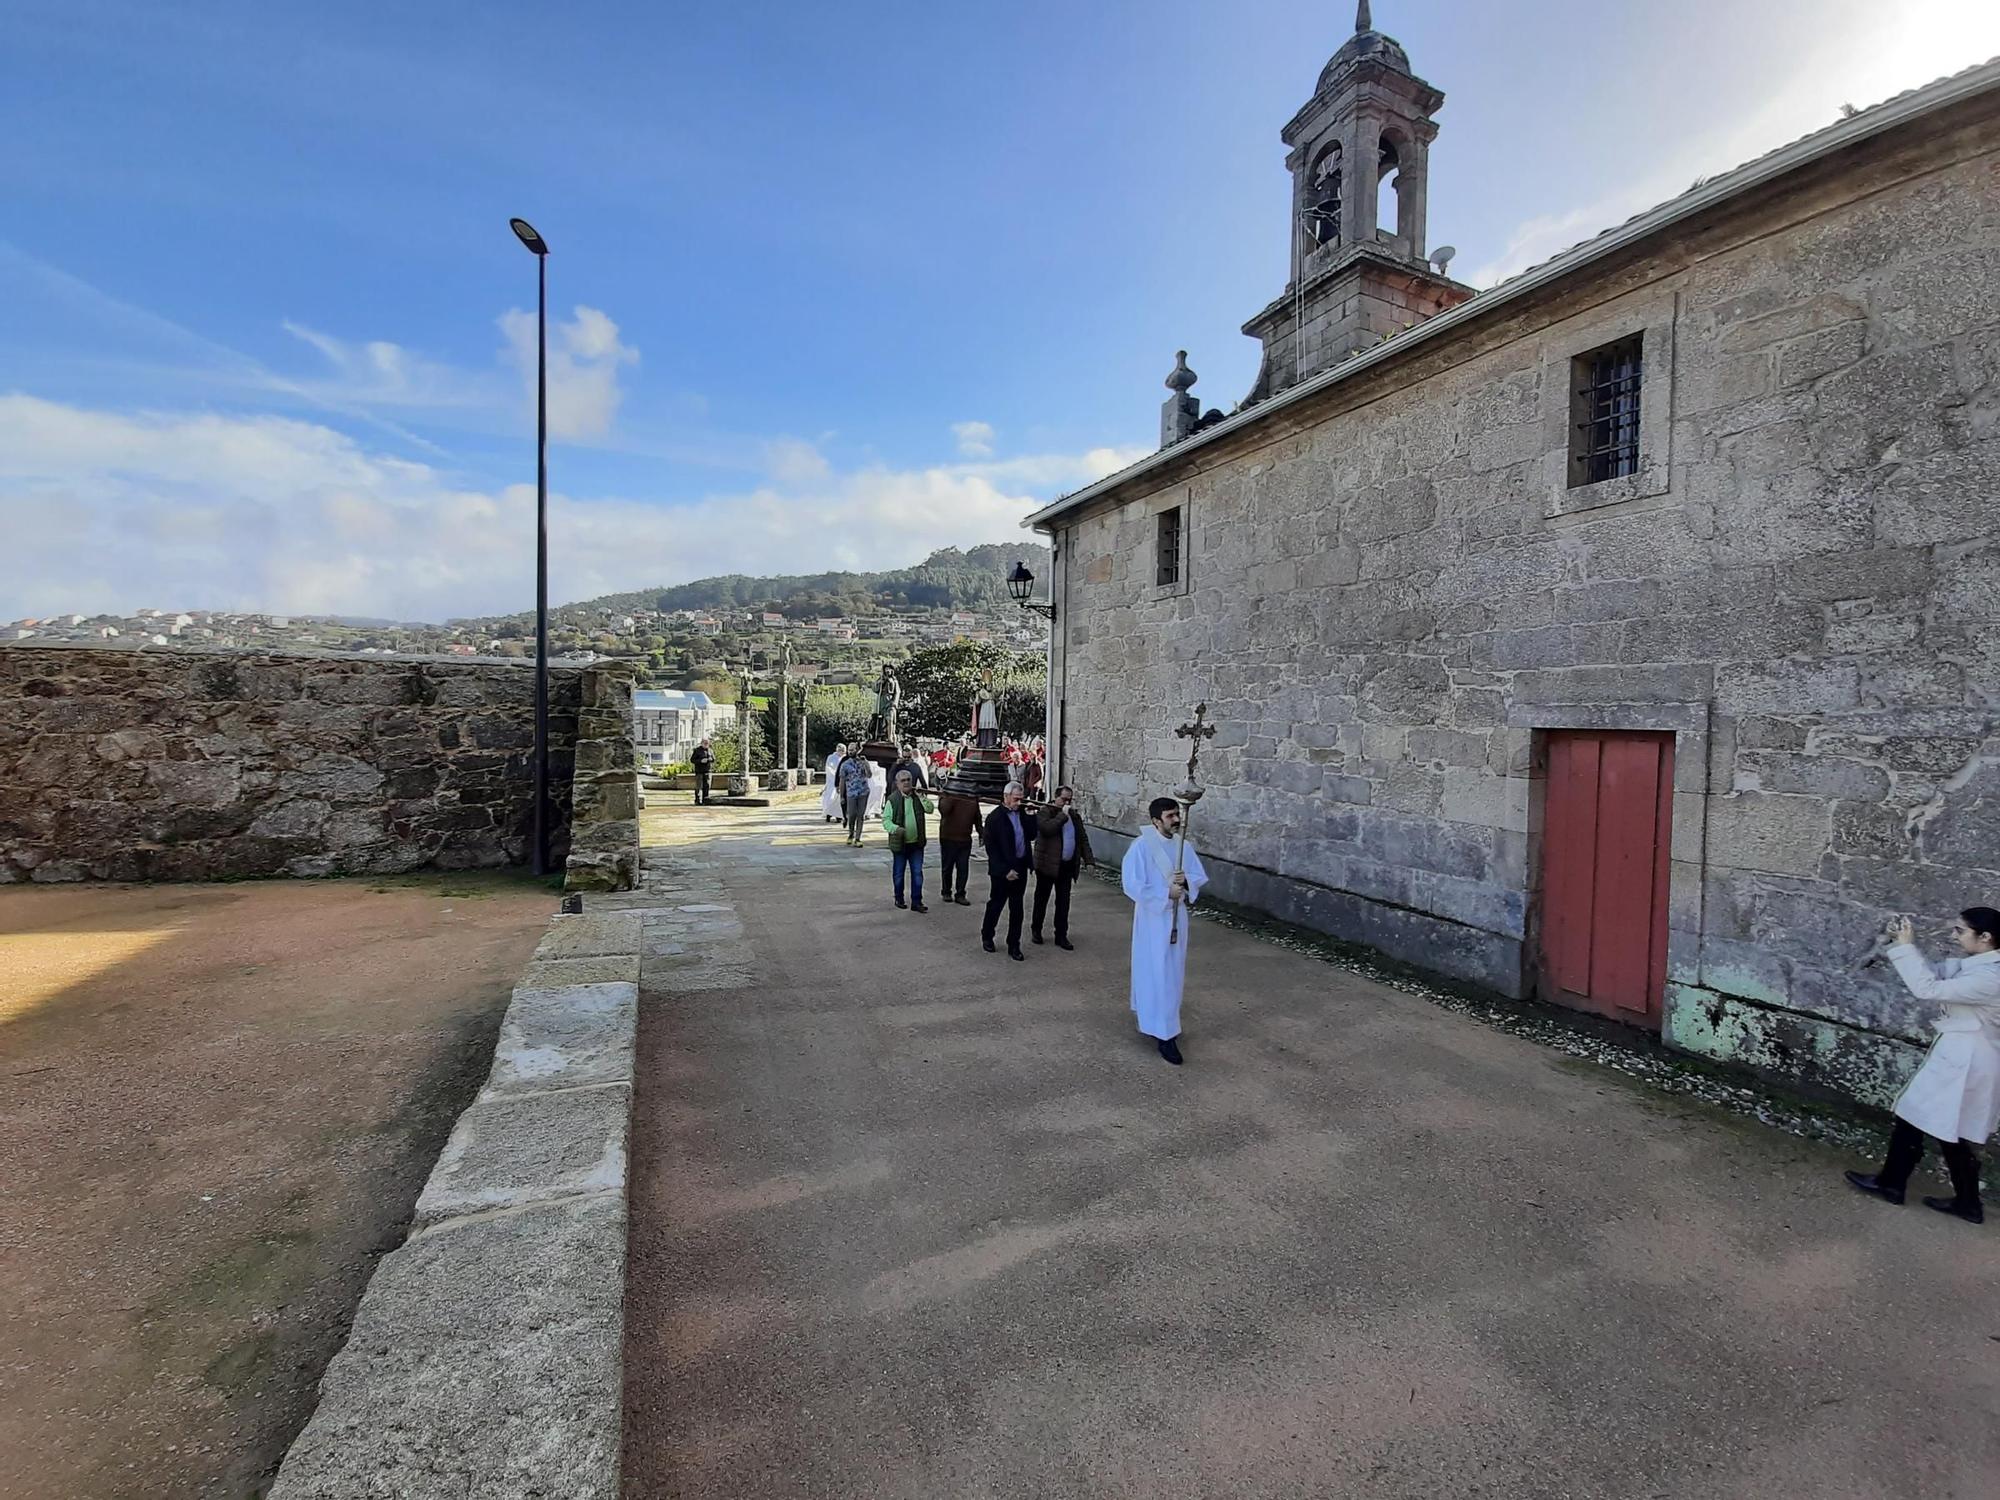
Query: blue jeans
column 913, row 861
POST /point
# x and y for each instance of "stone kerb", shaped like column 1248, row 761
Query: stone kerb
column 486, row 1357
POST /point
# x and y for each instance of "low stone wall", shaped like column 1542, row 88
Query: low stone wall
column 486, row 1357
column 181, row 765
column 604, row 828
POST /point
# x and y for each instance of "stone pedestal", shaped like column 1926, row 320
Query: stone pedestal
column 739, row 785
column 780, row 781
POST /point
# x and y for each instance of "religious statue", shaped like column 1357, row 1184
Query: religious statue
column 888, row 704
column 986, row 717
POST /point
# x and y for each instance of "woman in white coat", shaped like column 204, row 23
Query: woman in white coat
column 1955, row 1096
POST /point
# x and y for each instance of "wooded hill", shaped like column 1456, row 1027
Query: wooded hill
column 948, row 579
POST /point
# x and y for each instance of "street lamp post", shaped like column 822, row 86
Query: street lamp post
column 538, row 247
column 1021, row 584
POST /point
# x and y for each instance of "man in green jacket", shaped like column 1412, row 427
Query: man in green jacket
column 903, row 813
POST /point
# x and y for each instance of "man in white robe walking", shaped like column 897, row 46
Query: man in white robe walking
column 1159, row 965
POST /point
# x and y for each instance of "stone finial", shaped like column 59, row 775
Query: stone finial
column 1363, row 21
column 1180, row 413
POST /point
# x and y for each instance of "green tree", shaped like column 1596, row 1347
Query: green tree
column 941, row 684
column 728, row 750
column 1021, row 705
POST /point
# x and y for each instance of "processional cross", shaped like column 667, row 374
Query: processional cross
column 1194, row 732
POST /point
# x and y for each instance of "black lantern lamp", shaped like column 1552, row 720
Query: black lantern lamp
column 1021, row 584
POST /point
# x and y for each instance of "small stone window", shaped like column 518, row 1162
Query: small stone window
column 1167, row 549
column 1604, row 412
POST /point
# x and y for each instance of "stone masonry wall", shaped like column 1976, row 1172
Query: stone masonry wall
column 141, row 765
column 1390, row 595
column 604, row 842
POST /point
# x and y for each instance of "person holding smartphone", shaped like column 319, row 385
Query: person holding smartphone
column 1954, row 1098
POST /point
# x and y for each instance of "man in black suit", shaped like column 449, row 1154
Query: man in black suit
column 703, row 760
column 1010, row 855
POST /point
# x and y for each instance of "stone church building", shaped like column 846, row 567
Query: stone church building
column 1627, row 634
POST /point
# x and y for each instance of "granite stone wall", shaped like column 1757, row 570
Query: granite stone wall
column 604, row 841
column 1392, row 593
column 144, row 765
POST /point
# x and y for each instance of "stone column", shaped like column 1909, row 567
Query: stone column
column 785, row 708
column 740, row 783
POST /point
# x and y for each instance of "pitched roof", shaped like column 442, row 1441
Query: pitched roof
column 1890, row 114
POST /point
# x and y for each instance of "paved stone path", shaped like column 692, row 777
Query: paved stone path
column 910, row 1220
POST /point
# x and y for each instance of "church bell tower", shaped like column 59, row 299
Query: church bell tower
column 1355, row 280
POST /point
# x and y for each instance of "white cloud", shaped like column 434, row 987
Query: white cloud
column 378, row 373
column 106, row 511
column 794, row 461
column 584, row 357
column 1871, row 54
column 975, row 439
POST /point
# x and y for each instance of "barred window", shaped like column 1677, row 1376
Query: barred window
column 1167, row 549
column 1604, row 412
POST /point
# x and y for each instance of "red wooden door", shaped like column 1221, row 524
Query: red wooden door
column 1607, row 820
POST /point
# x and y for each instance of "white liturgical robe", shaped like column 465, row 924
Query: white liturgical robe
column 1159, row 968
column 829, row 797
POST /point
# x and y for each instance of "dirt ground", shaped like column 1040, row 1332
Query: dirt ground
column 217, row 1106
column 910, row 1220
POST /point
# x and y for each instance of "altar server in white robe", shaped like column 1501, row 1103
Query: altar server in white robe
column 1159, row 965
column 829, row 798
column 878, row 790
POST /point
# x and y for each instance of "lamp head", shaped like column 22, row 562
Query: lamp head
column 1020, row 582
column 526, row 232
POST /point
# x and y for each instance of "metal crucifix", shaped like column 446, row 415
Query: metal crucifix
column 1194, row 732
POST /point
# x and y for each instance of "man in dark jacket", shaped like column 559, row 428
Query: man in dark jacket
column 1061, row 849
column 958, row 826
column 914, row 764
column 704, row 763
column 1010, row 845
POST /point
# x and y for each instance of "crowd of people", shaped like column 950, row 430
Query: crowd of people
column 1024, row 841
column 1951, row 1103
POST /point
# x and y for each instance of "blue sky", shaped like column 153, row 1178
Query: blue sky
column 831, row 285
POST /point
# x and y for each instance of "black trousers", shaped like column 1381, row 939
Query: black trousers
column 1906, row 1149
column 700, row 787
column 955, row 856
column 1006, row 893
column 1065, row 878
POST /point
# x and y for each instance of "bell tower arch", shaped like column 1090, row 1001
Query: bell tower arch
column 1358, row 275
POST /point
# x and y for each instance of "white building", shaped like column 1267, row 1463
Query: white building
column 668, row 724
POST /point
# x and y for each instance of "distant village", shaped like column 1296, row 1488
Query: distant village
column 677, row 645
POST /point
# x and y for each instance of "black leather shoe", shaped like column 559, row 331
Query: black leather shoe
column 1170, row 1050
column 1036, row 938
column 961, row 900
column 1972, row 1213
column 1066, row 945
column 1865, row 1182
column 1017, row 955
column 987, row 944
column 918, row 906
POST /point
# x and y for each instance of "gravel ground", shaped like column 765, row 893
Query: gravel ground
column 911, row 1220
column 217, row 1106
